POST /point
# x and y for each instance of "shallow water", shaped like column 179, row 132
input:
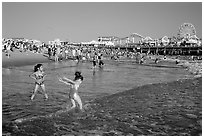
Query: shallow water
column 114, row 77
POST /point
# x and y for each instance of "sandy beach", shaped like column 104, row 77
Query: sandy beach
column 101, row 68
column 18, row 58
column 161, row 109
column 166, row 109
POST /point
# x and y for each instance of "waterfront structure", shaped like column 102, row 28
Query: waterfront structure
column 185, row 41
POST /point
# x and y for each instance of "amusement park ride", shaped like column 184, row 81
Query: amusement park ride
column 186, row 32
column 186, row 41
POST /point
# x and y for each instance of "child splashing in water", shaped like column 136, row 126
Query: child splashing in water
column 38, row 76
column 73, row 95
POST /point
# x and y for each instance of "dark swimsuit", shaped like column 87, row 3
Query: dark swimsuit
column 39, row 77
column 94, row 61
column 39, row 83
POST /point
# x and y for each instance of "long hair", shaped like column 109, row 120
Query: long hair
column 36, row 67
column 78, row 76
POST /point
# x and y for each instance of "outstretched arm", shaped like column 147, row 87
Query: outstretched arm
column 60, row 79
column 68, row 80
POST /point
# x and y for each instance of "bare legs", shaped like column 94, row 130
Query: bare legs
column 77, row 99
column 43, row 88
column 73, row 104
column 36, row 89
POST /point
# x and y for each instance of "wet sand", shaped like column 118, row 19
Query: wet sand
column 165, row 109
column 22, row 58
column 162, row 109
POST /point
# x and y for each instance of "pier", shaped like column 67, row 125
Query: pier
column 163, row 50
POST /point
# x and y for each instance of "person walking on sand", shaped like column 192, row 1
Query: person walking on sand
column 73, row 94
column 38, row 76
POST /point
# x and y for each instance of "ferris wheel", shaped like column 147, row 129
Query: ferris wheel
column 186, row 30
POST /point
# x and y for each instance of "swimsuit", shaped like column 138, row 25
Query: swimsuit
column 94, row 63
column 101, row 63
column 39, row 83
column 73, row 91
column 38, row 77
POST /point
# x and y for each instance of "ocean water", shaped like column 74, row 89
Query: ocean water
column 18, row 111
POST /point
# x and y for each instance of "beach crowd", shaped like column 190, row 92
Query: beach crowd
column 96, row 55
column 58, row 52
column 10, row 45
column 64, row 51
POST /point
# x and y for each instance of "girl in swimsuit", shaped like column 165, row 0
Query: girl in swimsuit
column 38, row 76
column 73, row 95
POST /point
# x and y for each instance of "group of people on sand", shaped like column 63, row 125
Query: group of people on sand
column 60, row 53
column 39, row 77
column 10, row 45
column 75, row 53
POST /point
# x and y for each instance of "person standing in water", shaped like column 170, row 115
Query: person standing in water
column 57, row 54
column 38, row 76
column 100, row 58
column 94, row 60
column 73, row 94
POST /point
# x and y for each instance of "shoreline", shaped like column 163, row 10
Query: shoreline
column 18, row 59
column 161, row 109
column 29, row 58
column 194, row 67
column 23, row 59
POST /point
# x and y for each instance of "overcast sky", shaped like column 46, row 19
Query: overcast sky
column 85, row 21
